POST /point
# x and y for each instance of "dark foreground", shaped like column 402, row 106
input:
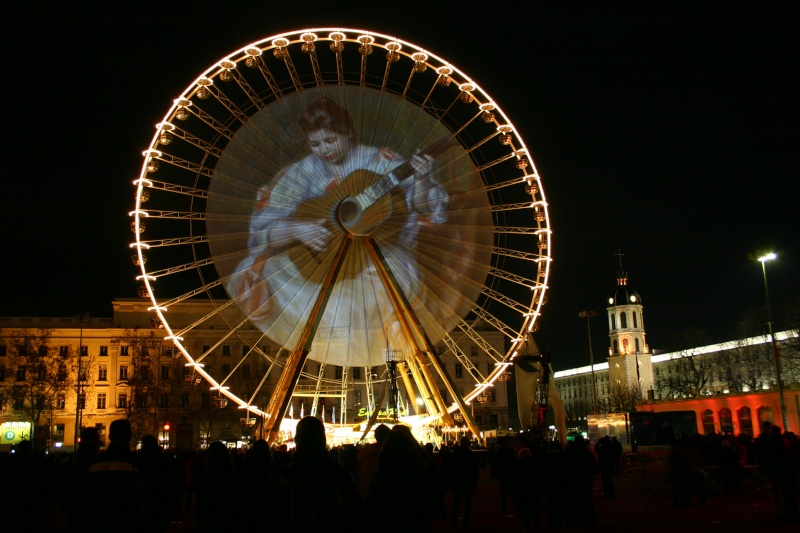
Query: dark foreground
column 643, row 503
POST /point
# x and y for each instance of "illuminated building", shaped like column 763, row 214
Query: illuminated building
column 132, row 372
column 659, row 382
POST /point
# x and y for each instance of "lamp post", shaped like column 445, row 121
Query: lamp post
column 78, row 406
column 588, row 315
column 775, row 355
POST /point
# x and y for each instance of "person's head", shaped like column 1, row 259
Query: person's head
column 120, row 431
column 309, row 434
column 150, row 444
column 90, row 437
column 381, row 432
column 329, row 130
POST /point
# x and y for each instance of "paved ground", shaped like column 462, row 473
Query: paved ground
column 644, row 504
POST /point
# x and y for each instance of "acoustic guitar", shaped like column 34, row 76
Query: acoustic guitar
column 361, row 202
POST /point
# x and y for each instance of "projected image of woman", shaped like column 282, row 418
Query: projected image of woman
column 280, row 275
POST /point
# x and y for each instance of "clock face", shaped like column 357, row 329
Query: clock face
column 611, row 301
column 633, row 298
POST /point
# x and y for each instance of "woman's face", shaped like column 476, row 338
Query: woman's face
column 329, row 146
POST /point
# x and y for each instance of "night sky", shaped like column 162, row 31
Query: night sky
column 666, row 130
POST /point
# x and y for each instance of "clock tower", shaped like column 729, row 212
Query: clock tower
column 629, row 358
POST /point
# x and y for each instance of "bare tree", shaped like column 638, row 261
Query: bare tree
column 748, row 366
column 42, row 375
column 691, row 373
column 621, row 398
column 578, row 411
column 788, row 319
column 143, row 394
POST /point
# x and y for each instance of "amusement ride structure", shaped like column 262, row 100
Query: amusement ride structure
column 354, row 199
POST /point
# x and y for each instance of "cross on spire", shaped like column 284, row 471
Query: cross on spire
column 622, row 276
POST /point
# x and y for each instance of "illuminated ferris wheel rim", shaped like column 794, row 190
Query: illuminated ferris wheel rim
column 395, row 49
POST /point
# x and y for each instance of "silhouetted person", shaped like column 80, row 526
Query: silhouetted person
column 367, row 464
column 465, row 472
column 29, row 485
column 314, row 493
column 783, row 475
column 85, row 455
column 255, row 472
column 605, row 458
column 111, row 496
column 162, row 490
column 502, row 466
column 217, row 490
column 406, row 480
column 525, row 488
column 580, row 467
column 616, row 447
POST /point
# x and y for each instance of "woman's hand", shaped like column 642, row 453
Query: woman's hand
column 313, row 234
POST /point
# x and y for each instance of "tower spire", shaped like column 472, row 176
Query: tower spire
column 622, row 274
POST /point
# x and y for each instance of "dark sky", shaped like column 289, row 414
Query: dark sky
column 666, row 130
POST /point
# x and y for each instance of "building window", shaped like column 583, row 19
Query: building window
column 459, row 370
column 357, row 397
column 337, row 372
column 63, row 351
column 245, row 350
column 226, row 369
column 245, row 371
column 141, row 401
column 61, row 401
column 623, row 320
column 2, row 372
column 636, row 342
column 205, row 400
column 22, row 373
column 267, row 349
column 473, row 350
column 58, row 430
column 163, row 401
column 613, row 321
column 206, row 348
column 2, row 350
column 184, row 401
column 104, row 351
column 84, row 351
column 102, row 373
column 101, row 400
column 635, row 320
column 164, row 373
column 123, row 372
column 122, row 401
column 356, row 373
column 440, row 349
column 123, row 350
column 226, row 350
column 82, row 401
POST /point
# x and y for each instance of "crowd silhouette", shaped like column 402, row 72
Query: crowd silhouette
column 393, row 484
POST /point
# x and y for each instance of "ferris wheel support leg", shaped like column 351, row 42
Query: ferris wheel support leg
column 425, row 354
column 288, row 379
column 404, row 374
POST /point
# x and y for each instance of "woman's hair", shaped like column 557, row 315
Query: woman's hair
column 325, row 113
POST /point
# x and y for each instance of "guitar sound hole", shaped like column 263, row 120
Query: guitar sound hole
column 349, row 213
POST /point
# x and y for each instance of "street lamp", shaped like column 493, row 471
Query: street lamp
column 775, row 355
column 588, row 315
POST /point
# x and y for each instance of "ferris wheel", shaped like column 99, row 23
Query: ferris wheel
column 352, row 198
